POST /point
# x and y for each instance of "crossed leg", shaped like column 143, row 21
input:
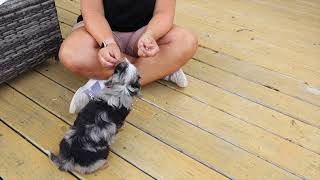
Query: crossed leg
column 79, row 51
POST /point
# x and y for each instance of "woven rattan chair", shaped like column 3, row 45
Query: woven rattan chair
column 29, row 35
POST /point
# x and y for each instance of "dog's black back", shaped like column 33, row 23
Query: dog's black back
column 88, row 114
column 84, row 147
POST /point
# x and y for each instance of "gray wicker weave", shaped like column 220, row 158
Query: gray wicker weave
column 29, row 35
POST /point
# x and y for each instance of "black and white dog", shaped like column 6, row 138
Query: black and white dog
column 85, row 146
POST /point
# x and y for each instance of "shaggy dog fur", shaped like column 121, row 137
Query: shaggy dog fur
column 85, row 146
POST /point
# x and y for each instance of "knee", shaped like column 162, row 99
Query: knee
column 188, row 41
column 78, row 64
column 67, row 57
column 191, row 40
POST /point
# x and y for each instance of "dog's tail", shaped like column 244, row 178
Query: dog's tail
column 63, row 165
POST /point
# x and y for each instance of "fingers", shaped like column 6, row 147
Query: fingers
column 141, row 49
column 105, row 63
column 153, row 51
column 141, row 53
column 147, row 46
column 148, row 50
column 109, row 56
column 150, row 44
column 116, row 54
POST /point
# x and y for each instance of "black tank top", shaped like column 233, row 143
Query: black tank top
column 127, row 15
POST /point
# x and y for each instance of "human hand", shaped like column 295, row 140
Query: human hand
column 147, row 46
column 110, row 55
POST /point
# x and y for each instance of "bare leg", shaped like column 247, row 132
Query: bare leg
column 79, row 54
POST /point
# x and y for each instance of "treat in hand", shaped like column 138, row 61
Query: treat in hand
column 109, row 55
column 147, row 46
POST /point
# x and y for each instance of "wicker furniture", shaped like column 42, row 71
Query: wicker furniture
column 29, row 35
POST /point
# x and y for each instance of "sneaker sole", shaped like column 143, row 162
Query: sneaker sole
column 72, row 108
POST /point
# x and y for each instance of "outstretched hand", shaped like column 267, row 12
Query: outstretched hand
column 110, row 55
column 147, row 46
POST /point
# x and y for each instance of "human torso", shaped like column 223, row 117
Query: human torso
column 128, row 15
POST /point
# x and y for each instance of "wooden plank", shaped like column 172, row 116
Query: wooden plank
column 253, row 15
column 46, row 130
column 242, row 47
column 305, row 9
column 144, row 151
column 66, row 17
column 238, row 28
column 65, row 29
column 163, row 126
column 236, row 131
column 260, row 75
column 272, row 99
column 277, row 57
column 239, row 133
column 19, row 158
column 253, row 113
column 71, row 5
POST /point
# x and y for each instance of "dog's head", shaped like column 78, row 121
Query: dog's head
column 125, row 75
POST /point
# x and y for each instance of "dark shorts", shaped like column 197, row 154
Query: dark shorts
column 125, row 40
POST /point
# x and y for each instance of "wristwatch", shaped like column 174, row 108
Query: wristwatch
column 105, row 43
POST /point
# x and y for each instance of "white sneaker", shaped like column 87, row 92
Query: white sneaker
column 84, row 94
column 178, row 78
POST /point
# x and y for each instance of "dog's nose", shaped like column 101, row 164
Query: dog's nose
column 122, row 66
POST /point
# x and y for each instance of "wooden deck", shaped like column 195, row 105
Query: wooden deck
column 252, row 110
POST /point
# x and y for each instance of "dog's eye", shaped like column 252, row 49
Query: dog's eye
column 136, row 84
column 108, row 83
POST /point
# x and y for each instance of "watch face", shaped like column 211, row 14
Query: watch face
column 103, row 44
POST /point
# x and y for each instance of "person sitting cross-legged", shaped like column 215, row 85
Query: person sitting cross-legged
column 141, row 30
